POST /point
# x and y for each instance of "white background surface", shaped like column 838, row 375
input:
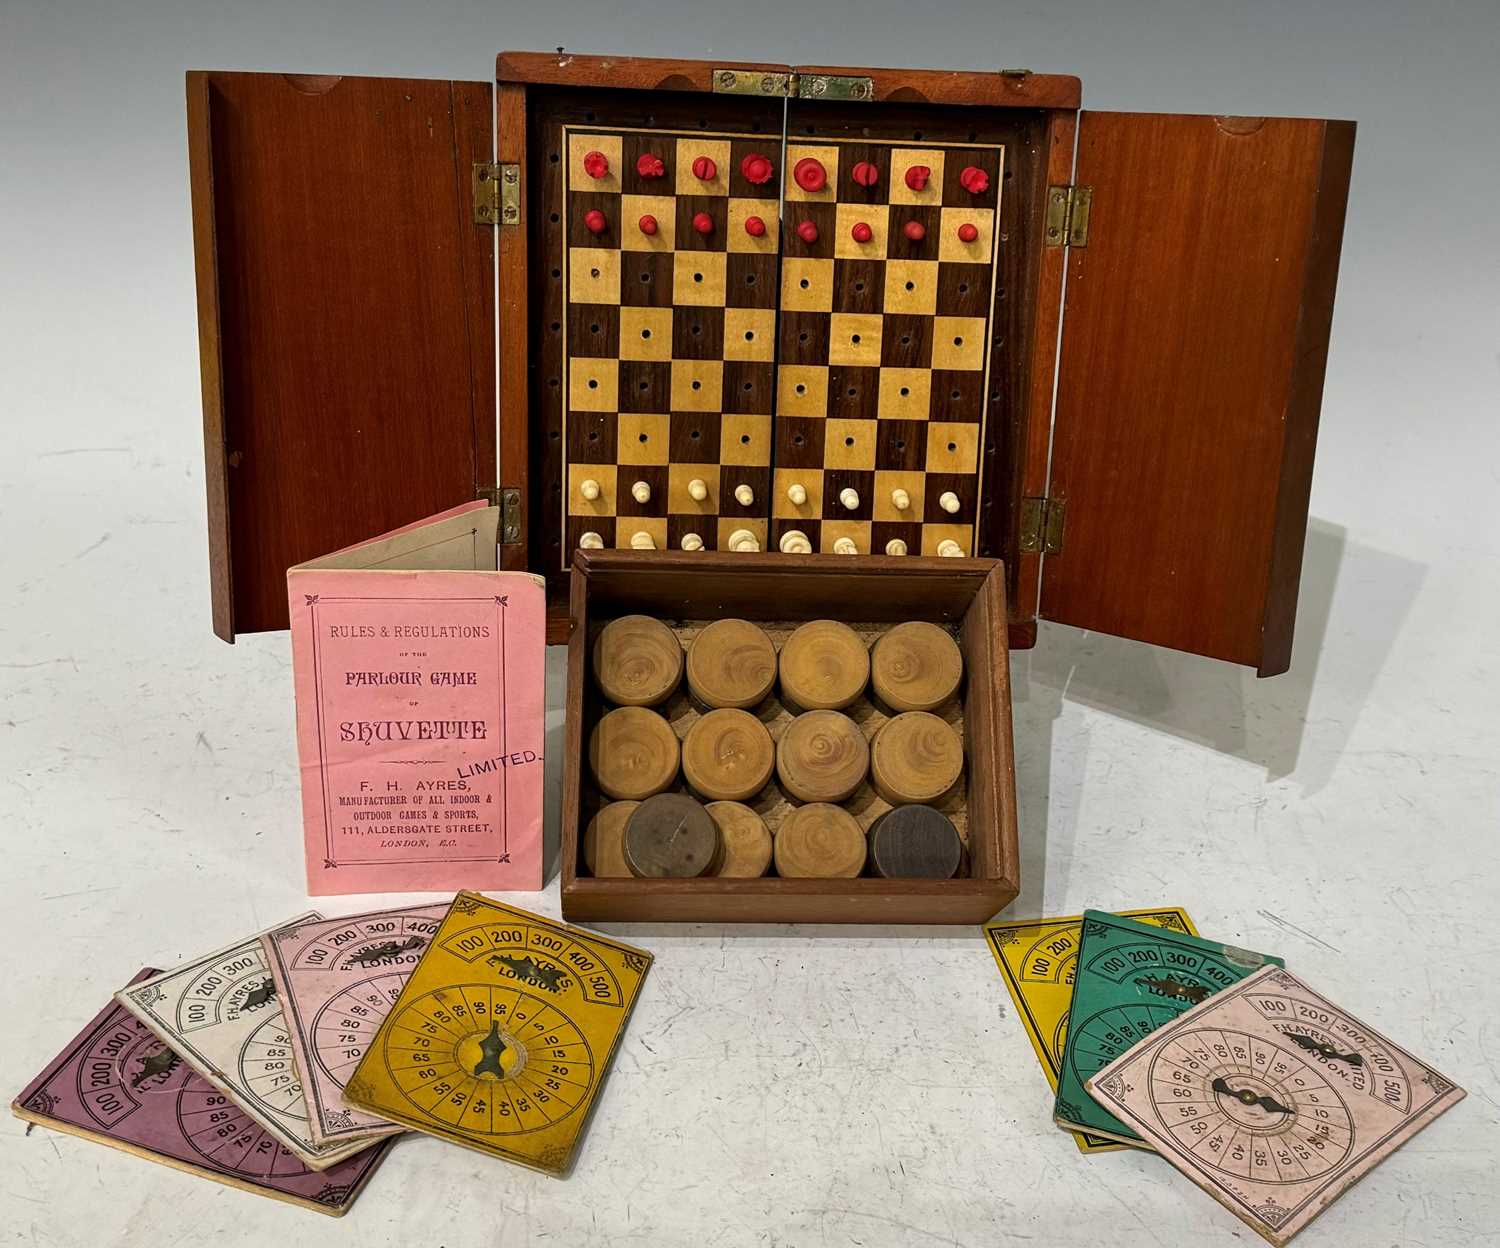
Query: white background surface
column 777, row 1086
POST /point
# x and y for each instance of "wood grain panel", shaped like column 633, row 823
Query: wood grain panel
column 1194, row 339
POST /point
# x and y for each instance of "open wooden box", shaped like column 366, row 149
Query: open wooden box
column 358, row 240
column 964, row 595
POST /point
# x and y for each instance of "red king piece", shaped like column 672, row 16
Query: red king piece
column 968, row 232
column 974, row 180
column 756, row 169
column 915, row 231
column 594, row 220
column 809, row 174
column 704, row 169
column 917, row 177
column 755, row 227
column 861, row 233
column 865, row 174
column 703, row 223
column 648, row 224
column 650, row 166
column 596, row 164
column 807, row 231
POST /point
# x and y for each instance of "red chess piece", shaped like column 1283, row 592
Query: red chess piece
column 807, row 231
column 755, row 227
column 650, row 166
column 974, row 180
column 917, row 176
column 648, row 224
column 596, row 164
column 594, row 220
column 704, row 169
column 861, row 233
column 915, row 231
column 865, row 174
column 967, row 232
column 809, row 174
column 703, row 223
column 756, row 169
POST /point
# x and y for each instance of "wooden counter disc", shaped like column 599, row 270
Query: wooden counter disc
column 915, row 667
column 670, row 835
column 637, row 661
column 821, row 841
column 915, row 758
column 728, row 755
column 633, row 753
column 824, row 666
column 731, row 663
column 915, row 843
column 822, row 757
column 744, row 842
column 604, row 841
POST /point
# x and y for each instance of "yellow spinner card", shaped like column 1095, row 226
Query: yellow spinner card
column 1038, row 958
column 501, row 1038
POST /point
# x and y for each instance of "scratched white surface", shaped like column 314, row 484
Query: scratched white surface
column 777, row 1086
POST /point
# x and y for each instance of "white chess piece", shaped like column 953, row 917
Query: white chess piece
column 895, row 547
column 900, row 500
column 949, row 549
column 796, row 494
column 697, row 489
column 845, row 546
column 641, row 492
column 743, row 540
column 949, row 502
column 795, row 542
column 849, row 498
column 591, row 541
column 744, row 495
column 642, row 541
column 691, row 541
column 589, row 489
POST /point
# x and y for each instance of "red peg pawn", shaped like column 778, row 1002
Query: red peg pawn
column 596, row 164
column 865, row 174
column 756, row 169
column 648, row 224
column 649, row 166
column 755, row 227
column 974, row 180
column 967, row 232
column 594, row 220
column 807, row 231
column 810, row 175
column 861, row 233
column 703, row 223
column 915, row 231
column 704, row 169
column 917, row 177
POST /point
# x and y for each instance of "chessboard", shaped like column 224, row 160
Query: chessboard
column 774, row 345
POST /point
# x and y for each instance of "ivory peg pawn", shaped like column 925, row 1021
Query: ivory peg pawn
column 697, row 489
column 633, row 753
column 949, row 549
column 849, row 498
column 691, row 541
column 948, row 501
column 915, row 843
column 824, row 666
column 845, row 546
column 744, row 495
column 728, row 756
column 915, row 666
column 820, row 841
column 731, row 663
column 744, row 841
column 590, row 541
column 822, row 757
column 637, row 661
column 641, row 492
column 604, row 842
column 796, row 494
column 743, row 540
column 915, row 758
column 589, row 489
column 895, row 547
column 670, row 836
column 900, row 499
column 795, row 542
column 641, row 540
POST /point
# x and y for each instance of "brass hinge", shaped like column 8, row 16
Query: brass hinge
column 793, row 86
column 1068, row 209
column 497, row 194
column 1042, row 521
column 508, row 499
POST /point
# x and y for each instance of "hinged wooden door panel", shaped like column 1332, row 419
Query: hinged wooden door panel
column 346, row 317
column 1195, row 335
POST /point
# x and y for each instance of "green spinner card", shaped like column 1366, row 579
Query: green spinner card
column 1131, row 979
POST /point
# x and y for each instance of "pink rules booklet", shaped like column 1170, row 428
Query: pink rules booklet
column 420, row 711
